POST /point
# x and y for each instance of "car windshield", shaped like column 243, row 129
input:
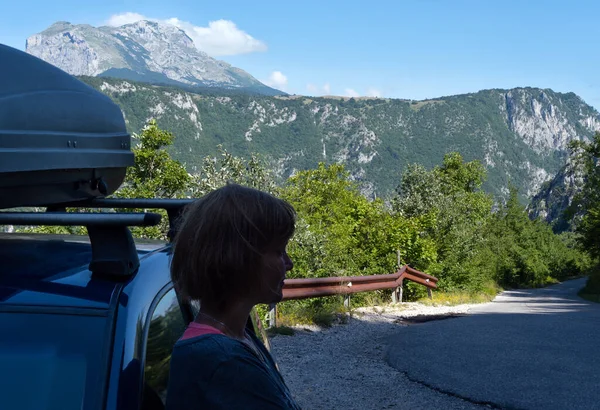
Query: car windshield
column 51, row 361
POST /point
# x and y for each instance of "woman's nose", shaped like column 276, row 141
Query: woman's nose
column 289, row 265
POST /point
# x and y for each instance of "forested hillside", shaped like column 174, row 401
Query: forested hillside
column 519, row 135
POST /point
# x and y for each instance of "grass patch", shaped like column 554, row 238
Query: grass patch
column 281, row 330
column 457, row 298
column 323, row 312
column 324, row 318
column 551, row 281
column 417, row 105
column 487, row 293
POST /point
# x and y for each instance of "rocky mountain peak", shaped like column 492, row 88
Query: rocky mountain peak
column 150, row 32
column 547, row 120
column 146, row 51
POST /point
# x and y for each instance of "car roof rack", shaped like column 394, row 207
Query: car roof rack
column 174, row 207
column 113, row 249
column 79, row 219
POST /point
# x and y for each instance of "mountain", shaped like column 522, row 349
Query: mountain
column 143, row 51
column 556, row 195
column 520, row 135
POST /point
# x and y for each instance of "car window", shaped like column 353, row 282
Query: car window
column 51, row 361
column 166, row 327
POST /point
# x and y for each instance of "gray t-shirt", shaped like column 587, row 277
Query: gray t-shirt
column 214, row 371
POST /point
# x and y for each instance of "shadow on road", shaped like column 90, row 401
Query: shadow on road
column 528, row 349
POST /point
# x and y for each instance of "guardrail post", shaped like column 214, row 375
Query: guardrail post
column 347, row 301
column 272, row 315
column 397, row 295
column 429, row 293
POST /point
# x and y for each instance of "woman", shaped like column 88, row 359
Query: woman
column 230, row 254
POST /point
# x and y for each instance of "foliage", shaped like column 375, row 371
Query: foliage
column 521, row 252
column 281, row 330
column 297, row 133
column 216, row 172
column 450, row 198
column 323, row 312
column 454, row 298
column 157, row 175
column 441, row 221
column 587, row 204
column 476, row 246
column 342, row 233
column 591, row 291
column 154, row 175
column 56, row 230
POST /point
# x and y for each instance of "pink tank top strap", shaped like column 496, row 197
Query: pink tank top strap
column 196, row 329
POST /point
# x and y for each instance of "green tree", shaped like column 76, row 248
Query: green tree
column 154, row 175
column 342, row 233
column 216, row 172
column 526, row 253
column 587, row 202
column 450, row 198
column 586, row 205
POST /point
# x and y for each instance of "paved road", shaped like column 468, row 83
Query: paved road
column 530, row 349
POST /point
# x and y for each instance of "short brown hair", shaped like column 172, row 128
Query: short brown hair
column 221, row 238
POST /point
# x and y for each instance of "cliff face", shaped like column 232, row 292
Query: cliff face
column 143, row 51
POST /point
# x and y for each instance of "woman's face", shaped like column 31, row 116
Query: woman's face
column 274, row 264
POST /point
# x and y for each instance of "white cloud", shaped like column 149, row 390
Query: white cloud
column 349, row 92
column 373, row 92
column 125, row 18
column 220, row 38
column 277, row 80
column 316, row 90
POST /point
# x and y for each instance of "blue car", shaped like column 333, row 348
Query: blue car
column 88, row 322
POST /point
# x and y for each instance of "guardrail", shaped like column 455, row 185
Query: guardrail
column 346, row 285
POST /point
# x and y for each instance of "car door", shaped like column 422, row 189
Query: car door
column 168, row 321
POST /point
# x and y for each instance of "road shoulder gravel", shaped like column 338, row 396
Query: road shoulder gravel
column 344, row 367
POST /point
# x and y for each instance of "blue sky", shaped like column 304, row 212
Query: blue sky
column 406, row 49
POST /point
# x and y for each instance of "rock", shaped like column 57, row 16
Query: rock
column 144, row 50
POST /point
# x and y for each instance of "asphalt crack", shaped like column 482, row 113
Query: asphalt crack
column 488, row 404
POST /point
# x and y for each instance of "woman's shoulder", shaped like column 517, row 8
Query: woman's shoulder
column 204, row 355
column 211, row 342
column 211, row 347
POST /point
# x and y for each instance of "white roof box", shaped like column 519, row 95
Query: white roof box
column 60, row 140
